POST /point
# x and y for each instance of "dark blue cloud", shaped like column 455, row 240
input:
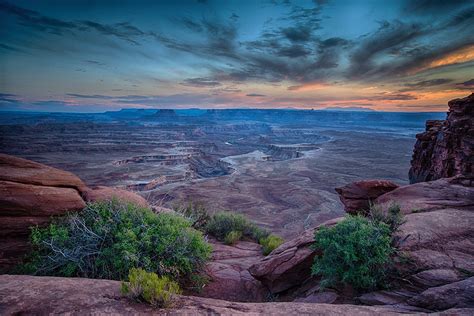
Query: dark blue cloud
column 221, row 46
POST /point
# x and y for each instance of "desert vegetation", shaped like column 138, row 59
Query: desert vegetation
column 145, row 286
column 230, row 227
column 358, row 250
column 227, row 226
column 107, row 239
column 270, row 243
column 196, row 213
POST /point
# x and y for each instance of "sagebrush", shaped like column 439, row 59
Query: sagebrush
column 107, row 239
column 145, row 286
column 223, row 223
column 270, row 243
column 232, row 237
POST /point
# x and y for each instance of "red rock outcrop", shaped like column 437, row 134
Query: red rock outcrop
column 30, row 295
column 290, row 264
column 229, row 275
column 30, row 193
column 429, row 196
column 101, row 193
column 437, row 237
column 357, row 196
column 14, row 169
column 446, row 148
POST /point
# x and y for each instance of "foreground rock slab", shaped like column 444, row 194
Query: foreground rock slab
column 75, row 296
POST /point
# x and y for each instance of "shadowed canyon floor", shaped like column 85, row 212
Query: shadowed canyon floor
column 280, row 168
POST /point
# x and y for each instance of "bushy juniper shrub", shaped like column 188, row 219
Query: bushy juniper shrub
column 107, row 239
column 223, row 223
column 149, row 287
column 356, row 251
column 270, row 243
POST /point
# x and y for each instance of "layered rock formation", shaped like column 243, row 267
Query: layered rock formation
column 446, row 148
column 436, row 238
column 21, row 295
column 229, row 275
column 290, row 264
column 434, row 271
column 434, row 268
column 30, row 193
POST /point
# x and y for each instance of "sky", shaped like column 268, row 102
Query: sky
column 93, row 56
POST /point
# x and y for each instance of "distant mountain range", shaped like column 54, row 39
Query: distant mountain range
column 353, row 108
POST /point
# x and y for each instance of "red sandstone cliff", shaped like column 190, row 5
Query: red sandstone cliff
column 446, row 148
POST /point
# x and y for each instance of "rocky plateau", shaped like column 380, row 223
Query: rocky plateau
column 434, row 262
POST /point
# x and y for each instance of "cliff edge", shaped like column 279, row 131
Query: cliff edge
column 446, row 148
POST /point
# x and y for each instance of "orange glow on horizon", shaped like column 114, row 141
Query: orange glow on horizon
column 309, row 87
column 461, row 56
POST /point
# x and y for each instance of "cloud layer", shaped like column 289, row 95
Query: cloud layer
column 214, row 54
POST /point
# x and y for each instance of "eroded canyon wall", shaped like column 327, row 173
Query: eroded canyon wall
column 446, row 148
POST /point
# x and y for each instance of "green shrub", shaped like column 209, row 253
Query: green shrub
column 222, row 223
column 232, row 237
column 270, row 243
column 149, row 287
column 355, row 251
column 195, row 213
column 107, row 239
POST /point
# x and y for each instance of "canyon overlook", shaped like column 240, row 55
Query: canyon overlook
column 436, row 234
column 278, row 167
column 226, row 157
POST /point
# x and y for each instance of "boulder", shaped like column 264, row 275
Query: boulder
column 101, row 193
column 358, row 196
column 385, row 297
column 30, row 193
column 326, row 297
column 446, row 148
column 229, row 275
column 20, row 199
column 435, row 243
column 19, row 170
column 290, row 264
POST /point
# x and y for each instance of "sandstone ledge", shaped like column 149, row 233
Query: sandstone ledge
column 74, row 296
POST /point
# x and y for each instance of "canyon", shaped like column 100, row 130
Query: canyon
column 434, row 241
column 278, row 167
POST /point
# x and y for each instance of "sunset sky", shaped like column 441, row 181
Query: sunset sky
column 92, row 56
